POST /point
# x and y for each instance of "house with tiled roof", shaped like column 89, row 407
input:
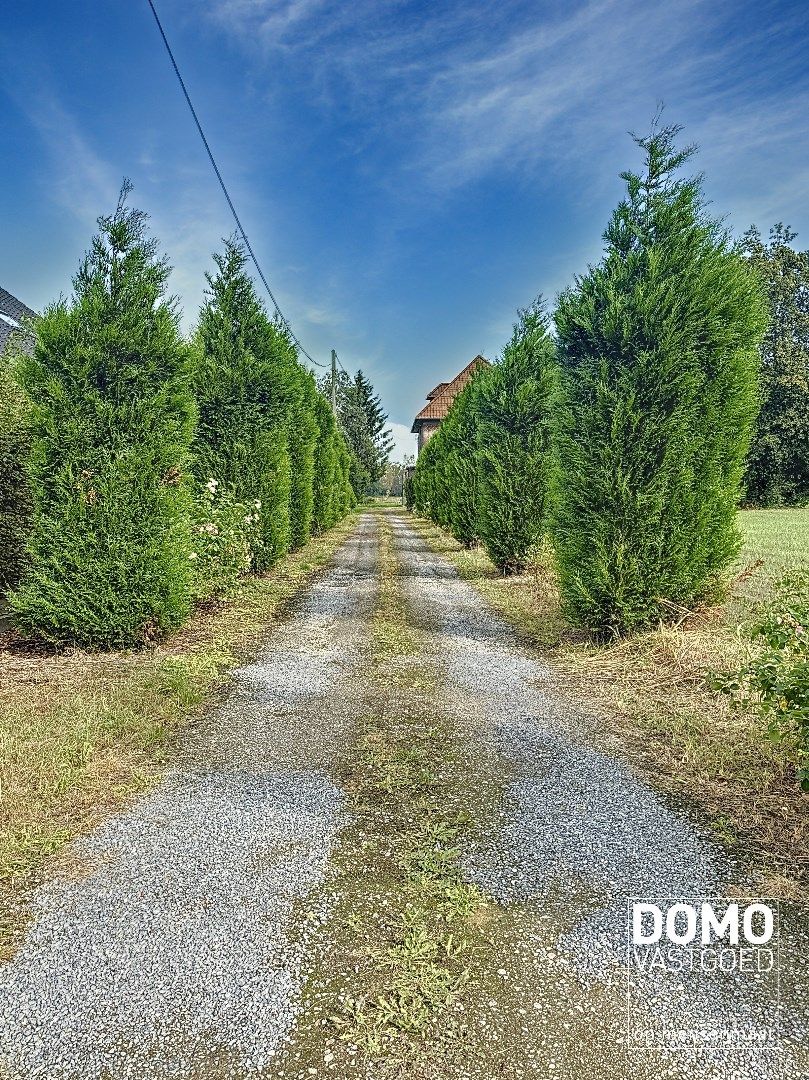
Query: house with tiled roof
column 440, row 399
column 14, row 314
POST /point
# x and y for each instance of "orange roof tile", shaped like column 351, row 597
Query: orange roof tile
column 440, row 400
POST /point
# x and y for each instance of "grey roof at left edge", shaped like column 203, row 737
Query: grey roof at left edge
column 13, row 313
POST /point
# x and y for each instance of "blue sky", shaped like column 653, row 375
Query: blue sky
column 410, row 173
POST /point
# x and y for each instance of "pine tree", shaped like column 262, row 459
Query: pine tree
column 658, row 346
column 370, row 406
column 362, row 421
column 248, row 386
column 778, row 463
column 107, row 561
column 515, row 405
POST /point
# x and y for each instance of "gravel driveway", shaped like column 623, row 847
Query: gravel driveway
column 184, row 949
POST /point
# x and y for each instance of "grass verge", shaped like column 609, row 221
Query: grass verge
column 654, row 693
column 81, row 733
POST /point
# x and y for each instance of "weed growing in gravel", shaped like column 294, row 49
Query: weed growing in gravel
column 402, row 772
column 407, row 925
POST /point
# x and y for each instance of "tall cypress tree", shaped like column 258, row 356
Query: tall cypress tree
column 327, row 479
column 460, row 465
column 303, row 435
column 15, row 503
column 658, row 345
column 111, row 426
column 345, row 493
column 422, row 485
column 248, row 386
column 515, row 404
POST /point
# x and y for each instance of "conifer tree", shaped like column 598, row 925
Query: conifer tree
column 327, row 494
column 459, row 466
column 370, row 406
column 107, row 561
column 248, row 387
column 303, row 434
column 15, row 503
column 362, row 421
column 658, row 346
column 515, row 405
column 345, row 492
column 429, row 490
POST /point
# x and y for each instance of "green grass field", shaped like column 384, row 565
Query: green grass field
column 779, row 539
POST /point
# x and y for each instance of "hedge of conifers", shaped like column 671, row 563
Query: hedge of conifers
column 141, row 473
column 620, row 443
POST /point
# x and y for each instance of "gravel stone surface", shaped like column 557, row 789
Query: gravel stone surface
column 579, row 835
column 181, row 951
column 180, row 945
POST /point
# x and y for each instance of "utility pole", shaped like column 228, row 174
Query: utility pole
column 334, row 382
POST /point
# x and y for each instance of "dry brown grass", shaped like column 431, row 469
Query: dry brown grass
column 660, row 711
column 81, row 733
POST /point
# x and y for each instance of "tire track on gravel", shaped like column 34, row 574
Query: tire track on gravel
column 578, row 835
column 182, row 952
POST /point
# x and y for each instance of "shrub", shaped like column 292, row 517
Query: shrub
column 658, row 346
column 326, row 502
column 112, row 421
column 408, row 490
column 248, row 386
column 515, row 402
column 225, row 536
column 460, row 467
column 15, row 501
column 303, row 433
column 777, row 681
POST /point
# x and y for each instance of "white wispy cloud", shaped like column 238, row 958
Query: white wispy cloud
column 458, row 90
column 80, row 179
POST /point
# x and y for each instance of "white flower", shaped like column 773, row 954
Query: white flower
column 193, row 555
column 257, row 504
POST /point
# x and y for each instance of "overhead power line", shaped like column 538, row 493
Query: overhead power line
column 226, row 193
